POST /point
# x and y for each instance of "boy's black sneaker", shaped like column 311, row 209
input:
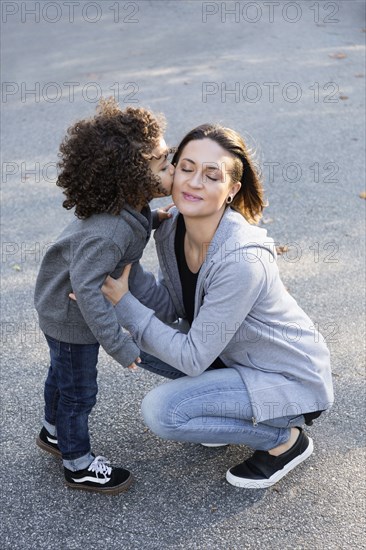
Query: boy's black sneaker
column 99, row 478
column 262, row 469
column 48, row 442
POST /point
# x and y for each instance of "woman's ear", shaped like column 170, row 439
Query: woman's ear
column 235, row 188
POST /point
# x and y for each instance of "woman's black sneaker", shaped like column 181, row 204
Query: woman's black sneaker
column 99, row 478
column 262, row 469
column 48, row 442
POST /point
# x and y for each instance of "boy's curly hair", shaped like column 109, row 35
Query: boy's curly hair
column 104, row 160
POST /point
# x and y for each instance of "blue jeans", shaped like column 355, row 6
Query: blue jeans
column 213, row 407
column 70, row 394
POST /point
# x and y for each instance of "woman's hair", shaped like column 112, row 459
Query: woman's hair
column 249, row 199
column 104, row 160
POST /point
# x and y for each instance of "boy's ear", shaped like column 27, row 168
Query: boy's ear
column 146, row 156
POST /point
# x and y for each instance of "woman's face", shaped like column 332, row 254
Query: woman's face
column 161, row 167
column 202, row 180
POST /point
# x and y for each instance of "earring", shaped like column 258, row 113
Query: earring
column 229, row 201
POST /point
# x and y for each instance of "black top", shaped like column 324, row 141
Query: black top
column 188, row 279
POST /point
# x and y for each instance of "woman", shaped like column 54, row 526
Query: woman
column 256, row 370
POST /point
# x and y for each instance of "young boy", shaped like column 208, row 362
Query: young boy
column 111, row 165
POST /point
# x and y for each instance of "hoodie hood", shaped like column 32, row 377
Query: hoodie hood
column 233, row 235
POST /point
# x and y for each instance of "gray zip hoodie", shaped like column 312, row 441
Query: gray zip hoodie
column 79, row 261
column 243, row 314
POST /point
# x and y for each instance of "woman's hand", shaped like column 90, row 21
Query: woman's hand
column 115, row 289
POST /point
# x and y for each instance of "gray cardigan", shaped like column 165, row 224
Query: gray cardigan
column 79, row 261
column 243, row 314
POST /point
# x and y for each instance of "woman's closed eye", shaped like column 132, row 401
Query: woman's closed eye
column 208, row 177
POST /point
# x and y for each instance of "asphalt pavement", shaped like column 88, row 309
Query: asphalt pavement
column 290, row 76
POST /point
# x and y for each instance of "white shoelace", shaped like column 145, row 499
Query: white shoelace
column 99, row 466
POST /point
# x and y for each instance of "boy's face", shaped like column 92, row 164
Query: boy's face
column 161, row 166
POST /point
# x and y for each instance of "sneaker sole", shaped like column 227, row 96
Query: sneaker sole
column 265, row 483
column 108, row 491
column 42, row 445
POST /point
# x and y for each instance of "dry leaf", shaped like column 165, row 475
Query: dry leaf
column 339, row 55
column 281, row 249
column 16, row 267
column 363, row 195
column 343, row 97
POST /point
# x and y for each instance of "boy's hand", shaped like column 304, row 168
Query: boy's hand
column 163, row 213
column 133, row 366
column 115, row 289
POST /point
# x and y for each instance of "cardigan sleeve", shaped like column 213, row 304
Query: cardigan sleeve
column 152, row 293
column 233, row 289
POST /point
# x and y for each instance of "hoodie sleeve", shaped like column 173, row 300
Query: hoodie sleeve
column 155, row 221
column 152, row 293
column 93, row 260
column 233, row 289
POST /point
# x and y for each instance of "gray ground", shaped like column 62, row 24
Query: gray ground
column 165, row 60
